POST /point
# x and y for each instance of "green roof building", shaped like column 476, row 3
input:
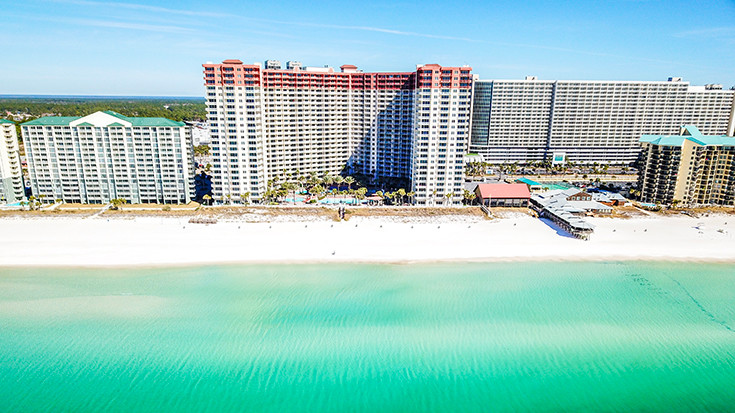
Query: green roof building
column 692, row 168
column 106, row 155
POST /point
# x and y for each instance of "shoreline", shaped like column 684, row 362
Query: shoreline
column 498, row 260
column 171, row 242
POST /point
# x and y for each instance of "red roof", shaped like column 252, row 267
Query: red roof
column 503, row 191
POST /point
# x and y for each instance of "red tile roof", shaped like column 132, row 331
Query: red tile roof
column 503, row 191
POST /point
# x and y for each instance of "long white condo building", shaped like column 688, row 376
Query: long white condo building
column 11, row 173
column 105, row 156
column 588, row 121
column 267, row 121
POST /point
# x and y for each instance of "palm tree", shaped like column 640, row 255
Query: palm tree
column 349, row 181
column 245, row 198
column 400, row 194
column 290, row 187
column 117, row 203
column 468, row 197
column 410, row 196
column 316, row 190
column 381, row 195
column 207, row 199
column 360, row 193
column 449, row 196
column 328, row 180
column 338, row 180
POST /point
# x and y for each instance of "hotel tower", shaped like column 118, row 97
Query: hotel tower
column 588, row 121
column 267, row 121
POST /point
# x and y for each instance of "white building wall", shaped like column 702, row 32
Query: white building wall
column 441, row 135
column 91, row 161
column 297, row 121
column 237, row 129
column 11, row 174
column 589, row 121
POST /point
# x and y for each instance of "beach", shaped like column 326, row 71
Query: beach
column 162, row 241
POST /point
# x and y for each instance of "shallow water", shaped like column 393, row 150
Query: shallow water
column 400, row 338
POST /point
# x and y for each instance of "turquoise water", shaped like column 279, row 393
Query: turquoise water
column 390, row 338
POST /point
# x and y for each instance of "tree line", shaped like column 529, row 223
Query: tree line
column 170, row 108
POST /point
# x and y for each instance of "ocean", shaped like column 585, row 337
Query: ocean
column 459, row 337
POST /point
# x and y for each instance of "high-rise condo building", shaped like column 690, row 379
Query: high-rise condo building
column 412, row 125
column 11, row 174
column 588, row 121
column 690, row 167
column 106, row 155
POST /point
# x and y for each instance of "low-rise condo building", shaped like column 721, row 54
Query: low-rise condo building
column 588, row 121
column 503, row 195
column 11, row 173
column 105, row 156
column 265, row 122
column 691, row 168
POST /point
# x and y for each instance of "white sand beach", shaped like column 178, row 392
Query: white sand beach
column 145, row 241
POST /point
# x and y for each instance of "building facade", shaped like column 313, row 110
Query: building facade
column 105, row 155
column 690, row 168
column 267, row 122
column 588, row 121
column 11, row 173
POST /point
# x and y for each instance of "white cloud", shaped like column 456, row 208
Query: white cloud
column 708, row 33
column 125, row 25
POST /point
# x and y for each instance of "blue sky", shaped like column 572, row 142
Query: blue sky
column 141, row 47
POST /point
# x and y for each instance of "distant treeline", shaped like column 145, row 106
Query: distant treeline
column 170, row 108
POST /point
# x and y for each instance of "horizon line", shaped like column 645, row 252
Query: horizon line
column 40, row 95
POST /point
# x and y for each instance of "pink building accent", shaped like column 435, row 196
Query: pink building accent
column 235, row 73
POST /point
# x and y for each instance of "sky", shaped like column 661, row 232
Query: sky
column 156, row 48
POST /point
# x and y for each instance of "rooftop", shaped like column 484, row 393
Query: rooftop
column 134, row 121
column 53, row 121
column 6, row 121
column 504, row 191
column 690, row 133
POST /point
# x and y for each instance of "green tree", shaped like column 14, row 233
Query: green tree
column 380, row 194
column 349, row 181
column 468, row 197
column 338, row 180
column 360, row 193
column 317, row 190
column 400, row 195
column 117, row 203
column 201, row 150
